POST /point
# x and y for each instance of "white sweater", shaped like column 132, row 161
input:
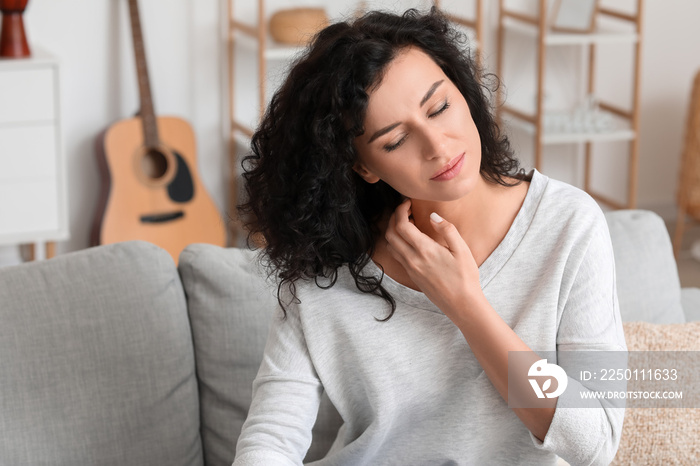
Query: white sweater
column 409, row 390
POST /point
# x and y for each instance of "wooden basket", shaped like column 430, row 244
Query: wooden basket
column 296, row 26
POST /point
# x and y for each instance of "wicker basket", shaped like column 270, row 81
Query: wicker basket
column 689, row 185
column 297, row 26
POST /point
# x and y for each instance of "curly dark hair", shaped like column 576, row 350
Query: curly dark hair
column 313, row 211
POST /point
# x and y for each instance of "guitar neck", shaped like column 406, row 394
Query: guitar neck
column 147, row 112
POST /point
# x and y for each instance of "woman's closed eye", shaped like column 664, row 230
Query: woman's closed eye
column 444, row 107
column 391, row 147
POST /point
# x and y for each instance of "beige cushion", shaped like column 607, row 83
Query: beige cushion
column 660, row 435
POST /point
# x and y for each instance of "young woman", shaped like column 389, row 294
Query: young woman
column 412, row 257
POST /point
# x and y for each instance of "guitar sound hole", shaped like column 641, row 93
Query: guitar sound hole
column 154, row 164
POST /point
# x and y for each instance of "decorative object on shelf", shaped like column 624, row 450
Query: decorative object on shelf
column 585, row 118
column 13, row 40
column 151, row 190
column 296, row 26
column 688, row 195
column 574, row 15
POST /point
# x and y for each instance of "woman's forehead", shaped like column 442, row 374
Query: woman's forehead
column 408, row 66
column 405, row 81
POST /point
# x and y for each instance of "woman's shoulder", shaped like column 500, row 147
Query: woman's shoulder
column 569, row 200
column 334, row 289
column 565, row 210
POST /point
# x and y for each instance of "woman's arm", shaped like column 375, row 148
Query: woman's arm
column 588, row 432
column 458, row 294
column 583, row 435
column 286, row 397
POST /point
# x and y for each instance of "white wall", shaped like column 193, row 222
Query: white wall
column 671, row 59
column 185, row 45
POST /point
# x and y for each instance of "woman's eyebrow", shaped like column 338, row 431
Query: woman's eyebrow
column 430, row 92
column 382, row 132
column 425, row 98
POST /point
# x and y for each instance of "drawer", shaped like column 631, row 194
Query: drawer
column 27, row 151
column 27, row 95
column 27, row 207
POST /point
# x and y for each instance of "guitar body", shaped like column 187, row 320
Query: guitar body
column 154, row 193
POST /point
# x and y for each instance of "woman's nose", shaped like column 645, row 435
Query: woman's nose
column 434, row 142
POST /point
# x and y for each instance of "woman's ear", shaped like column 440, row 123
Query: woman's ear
column 366, row 175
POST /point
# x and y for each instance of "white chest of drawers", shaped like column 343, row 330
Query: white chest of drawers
column 33, row 204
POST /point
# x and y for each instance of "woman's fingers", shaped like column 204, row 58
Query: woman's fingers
column 406, row 227
column 397, row 245
column 449, row 233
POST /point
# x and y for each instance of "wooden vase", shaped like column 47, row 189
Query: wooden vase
column 13, row 40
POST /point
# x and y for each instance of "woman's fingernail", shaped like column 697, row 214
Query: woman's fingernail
column 435, row 218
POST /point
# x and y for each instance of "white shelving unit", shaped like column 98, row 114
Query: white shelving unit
column 33, row 206
column 620, row 28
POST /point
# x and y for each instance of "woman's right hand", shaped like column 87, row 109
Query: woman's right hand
column 448, row 275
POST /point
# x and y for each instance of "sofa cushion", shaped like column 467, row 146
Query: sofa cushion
column 648, row 287
column 660, row 435
column 96, row 361
column 231, row 305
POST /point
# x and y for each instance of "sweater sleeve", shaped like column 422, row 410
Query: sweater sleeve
column 286, row 397
column 590, row 321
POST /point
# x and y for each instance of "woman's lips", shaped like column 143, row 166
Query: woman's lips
column 450, row 170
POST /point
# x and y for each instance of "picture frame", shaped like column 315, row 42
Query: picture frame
column 574, row 15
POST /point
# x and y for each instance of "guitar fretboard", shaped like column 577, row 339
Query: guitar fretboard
column 147, row 112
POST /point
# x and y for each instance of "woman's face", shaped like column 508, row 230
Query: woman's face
column 419, row 134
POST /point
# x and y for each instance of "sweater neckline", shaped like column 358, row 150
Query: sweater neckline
column 493, row 263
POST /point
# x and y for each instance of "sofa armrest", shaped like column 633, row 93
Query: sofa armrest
column 690, row 299
column 648, row 287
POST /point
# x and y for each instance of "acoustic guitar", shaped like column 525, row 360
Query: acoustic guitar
column 150, row 186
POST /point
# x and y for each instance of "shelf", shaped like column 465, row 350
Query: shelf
column 601, row 35
column 620, row 131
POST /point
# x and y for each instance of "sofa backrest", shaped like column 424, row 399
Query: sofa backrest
column 96, row 361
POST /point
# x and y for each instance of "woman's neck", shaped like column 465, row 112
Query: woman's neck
column 468, row 214
column 482, row 219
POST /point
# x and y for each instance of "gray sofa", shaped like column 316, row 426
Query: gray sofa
column 115, row 356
